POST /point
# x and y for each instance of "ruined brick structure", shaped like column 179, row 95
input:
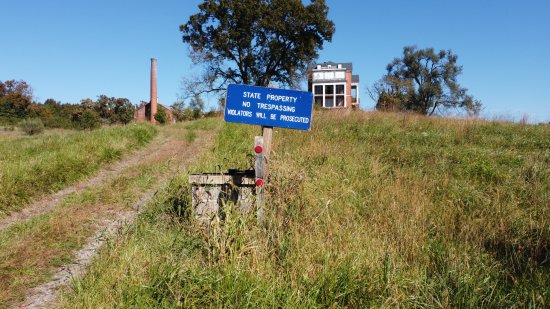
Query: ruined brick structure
column 147, row 111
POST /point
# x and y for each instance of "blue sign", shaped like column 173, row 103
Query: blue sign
column 270, row 107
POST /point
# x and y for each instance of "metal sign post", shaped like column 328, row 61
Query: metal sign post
column 259, row 169
column 267, row 107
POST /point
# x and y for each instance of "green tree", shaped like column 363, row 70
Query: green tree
column 85, row 117
column 188, row 114
column 104, row 107
column 196, row 105
column 88, row 120
column 178, row 109
column 391, row 93
column 114, row 110
column 15, row 99
column 255, row 42
column 425, row 82
column 57, row 115
column 161, row 116
column 123, row 111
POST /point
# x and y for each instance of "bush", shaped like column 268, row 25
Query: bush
column 161, row 116
column 88, row 119
column 32, row 126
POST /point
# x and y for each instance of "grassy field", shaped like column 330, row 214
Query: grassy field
column 32, row 251
column 32, row 166
column 365, row 210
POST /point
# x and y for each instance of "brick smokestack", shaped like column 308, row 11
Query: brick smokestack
column 154, row 103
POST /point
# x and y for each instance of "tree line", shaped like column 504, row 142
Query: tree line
column 17, row 104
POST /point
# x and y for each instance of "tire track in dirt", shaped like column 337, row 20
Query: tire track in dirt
column 46, row 203
column 180, row 155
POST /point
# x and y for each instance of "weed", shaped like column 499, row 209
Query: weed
column 32, row 126
column 190, row 135
column 365, row 210
column 32, row 166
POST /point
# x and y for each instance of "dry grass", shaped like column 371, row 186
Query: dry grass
column 33, row 166
column 31, row 251
column 365, row 210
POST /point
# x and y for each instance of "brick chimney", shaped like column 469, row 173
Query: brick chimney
column 154, row 103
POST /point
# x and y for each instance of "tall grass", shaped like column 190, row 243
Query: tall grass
column 365, row 210
column 32, row 166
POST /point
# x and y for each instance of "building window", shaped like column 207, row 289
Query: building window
column 318, row 91
column 329, row 89
column 319, row 100
column 354, row 93
column 330, row 95
column 340, row 96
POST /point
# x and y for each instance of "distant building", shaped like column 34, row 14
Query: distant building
column 143, row 113
column 333, row 85
column 147, row 111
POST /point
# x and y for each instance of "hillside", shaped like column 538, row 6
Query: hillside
column 33, row 166
column 365, row 210
column 47, row 242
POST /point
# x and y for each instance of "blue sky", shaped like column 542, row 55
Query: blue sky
column 70, row 50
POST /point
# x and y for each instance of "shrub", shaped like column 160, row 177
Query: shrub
column 32, row 126
column 190, row 135
column 161, row 116
column 88, row 119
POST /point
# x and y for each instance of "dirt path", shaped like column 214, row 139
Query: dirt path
column 178, row 153
column 47, row 202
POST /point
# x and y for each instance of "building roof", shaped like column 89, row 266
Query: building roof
column 355, row 78
column 148, row 103
column 334, row 65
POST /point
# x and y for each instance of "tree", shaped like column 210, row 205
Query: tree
column 54, row 114
column 255, row 42
column 182, row 112
column 123, row 111
column 15, row 98
column 425, row 82
column 87, row 119
column 177, row 110
column 196, row 105
column 114, row 110
column 104, row 107
column 160, row 116
column 391, row 93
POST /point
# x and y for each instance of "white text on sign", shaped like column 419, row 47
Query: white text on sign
column 252, row 95
column 269, row 97
column 270, row 107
